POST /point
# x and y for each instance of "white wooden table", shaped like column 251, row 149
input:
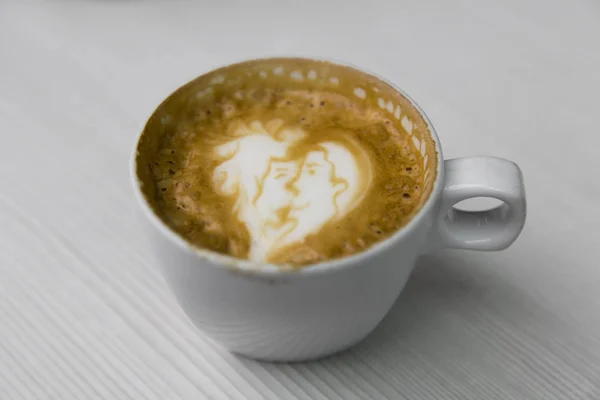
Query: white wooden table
column 83, row 312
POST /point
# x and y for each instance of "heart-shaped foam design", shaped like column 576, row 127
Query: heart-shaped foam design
column 286, row 190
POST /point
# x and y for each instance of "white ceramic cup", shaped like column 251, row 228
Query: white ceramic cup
column 296, row 315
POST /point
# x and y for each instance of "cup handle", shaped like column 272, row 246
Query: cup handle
column 489, row 230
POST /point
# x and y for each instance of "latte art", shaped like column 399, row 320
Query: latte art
column 282, row 195
column 286, row 162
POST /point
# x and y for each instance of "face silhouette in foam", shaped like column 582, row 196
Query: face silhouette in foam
column 327, row 188
column 282, row 199
column 275, row 199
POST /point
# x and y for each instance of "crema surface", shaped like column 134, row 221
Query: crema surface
column 286, row 174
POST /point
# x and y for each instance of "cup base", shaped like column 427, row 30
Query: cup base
column 299, row 358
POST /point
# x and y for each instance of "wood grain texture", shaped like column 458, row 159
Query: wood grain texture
column 83, row 312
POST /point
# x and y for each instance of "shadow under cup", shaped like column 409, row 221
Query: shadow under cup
column 260, row 310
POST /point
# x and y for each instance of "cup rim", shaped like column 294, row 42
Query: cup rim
column 273, row 271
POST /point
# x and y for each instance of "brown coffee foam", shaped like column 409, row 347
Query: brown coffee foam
column 175, row 162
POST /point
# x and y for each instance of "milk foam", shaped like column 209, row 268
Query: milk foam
column 283, row 198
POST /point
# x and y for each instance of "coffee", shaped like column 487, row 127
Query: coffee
column 286, row 161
